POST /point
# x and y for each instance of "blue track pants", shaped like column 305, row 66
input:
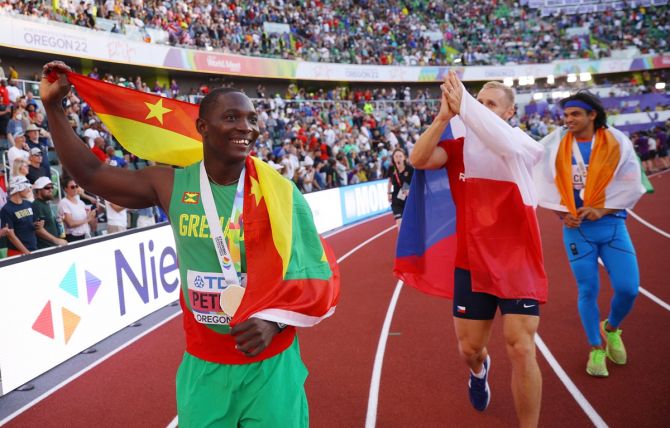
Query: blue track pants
column 608, row 239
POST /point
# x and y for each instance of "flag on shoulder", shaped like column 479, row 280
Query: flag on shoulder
column 426, row 247
column 615, row 178
column 292, row 273
column 504, row 249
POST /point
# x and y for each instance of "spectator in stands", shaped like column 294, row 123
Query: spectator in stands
column 17, row 217
column 113, row 159
column 38, row 138
column 4, row 93
column 341, row 169
column 400, row 176
column 35, row 168
column 75, row 214
column 308, row 177
column 3, row 188
column 5, row 114
column 48, row 235
column 662, row 148
column 146, row 217
column 15, row 124
column 641, row 144
column 21, row 167
column 92, row 132
column 19, row 149
column 117, row 217
column 13, row 90
column 98, row 149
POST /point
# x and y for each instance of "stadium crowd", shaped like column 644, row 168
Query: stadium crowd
column 367, row 32
column 320, row 139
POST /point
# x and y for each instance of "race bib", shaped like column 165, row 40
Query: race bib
column 578, row 180
column 404, row 191
column 212, row 300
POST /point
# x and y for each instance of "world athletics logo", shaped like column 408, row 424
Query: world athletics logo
column 44, row 323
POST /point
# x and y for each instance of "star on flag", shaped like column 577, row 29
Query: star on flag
column 157, row 110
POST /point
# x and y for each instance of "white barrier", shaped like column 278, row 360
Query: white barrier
column 56, row 305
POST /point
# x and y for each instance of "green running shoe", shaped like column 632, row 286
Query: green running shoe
column 614, row 345
column 597, row 365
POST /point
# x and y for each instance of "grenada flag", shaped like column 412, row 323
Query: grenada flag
column 293, row 277
column 147, row 125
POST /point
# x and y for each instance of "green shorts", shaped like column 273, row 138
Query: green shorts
column 269, row 393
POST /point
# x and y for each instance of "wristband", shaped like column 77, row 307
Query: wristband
column 281, row 326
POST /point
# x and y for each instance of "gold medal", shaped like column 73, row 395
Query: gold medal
column 231, row 298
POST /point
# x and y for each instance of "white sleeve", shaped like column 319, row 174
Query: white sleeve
column 495, row 133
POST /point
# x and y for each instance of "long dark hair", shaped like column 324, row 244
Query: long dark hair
column 591, row 99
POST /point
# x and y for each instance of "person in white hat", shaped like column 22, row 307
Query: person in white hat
column 17, row 216
column 38, row 138
column 92, row 132
column 47, row 236
column 35, row 168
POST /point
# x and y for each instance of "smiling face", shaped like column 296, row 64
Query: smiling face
column 578, row 120
column 229, row 126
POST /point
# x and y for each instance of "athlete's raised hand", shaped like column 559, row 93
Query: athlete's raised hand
column 54, row 85
column 445, row 114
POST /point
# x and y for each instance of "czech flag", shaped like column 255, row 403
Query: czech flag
column 426, row 247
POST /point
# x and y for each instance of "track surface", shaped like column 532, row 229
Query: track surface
column 423, row 382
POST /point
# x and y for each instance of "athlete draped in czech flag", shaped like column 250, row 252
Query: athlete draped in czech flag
column 496, row 259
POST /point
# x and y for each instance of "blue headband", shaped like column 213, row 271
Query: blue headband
column 578, row 103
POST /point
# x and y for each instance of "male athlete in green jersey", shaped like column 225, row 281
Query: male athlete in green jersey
column 247, row 373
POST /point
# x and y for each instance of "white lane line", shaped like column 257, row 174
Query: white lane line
column 647, row 293
column 649, row 225
column 86, row 369
column 135, row 339
column 373, row 398
column 351, row 226
column 655, row 299
column 359, row 246
column 569, row 384
column 174, row 422
column 371, row 418
column 658, row 173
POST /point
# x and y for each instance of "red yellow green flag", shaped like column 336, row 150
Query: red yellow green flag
column 294, row 273
column 148, row 125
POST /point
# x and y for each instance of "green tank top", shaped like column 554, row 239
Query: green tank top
column 199, row 269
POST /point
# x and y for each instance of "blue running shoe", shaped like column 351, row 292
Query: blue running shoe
column 478, row 389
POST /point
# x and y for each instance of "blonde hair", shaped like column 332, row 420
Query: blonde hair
column 510, row 93
column 16, row 166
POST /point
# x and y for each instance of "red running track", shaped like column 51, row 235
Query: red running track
column 423, row 382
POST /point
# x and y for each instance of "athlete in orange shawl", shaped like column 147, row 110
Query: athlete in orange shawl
column 590, row 175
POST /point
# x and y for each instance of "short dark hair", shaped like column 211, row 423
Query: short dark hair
column 210, row 99
column 591, row 99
